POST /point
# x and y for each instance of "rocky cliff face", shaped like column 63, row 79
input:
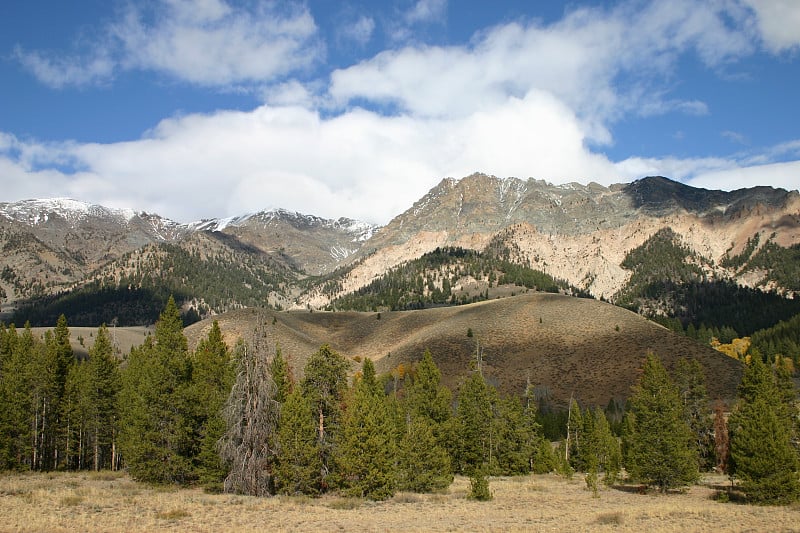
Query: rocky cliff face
column 580, row 233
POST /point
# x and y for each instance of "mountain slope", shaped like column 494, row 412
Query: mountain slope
column 579, row 233
column 566, row 346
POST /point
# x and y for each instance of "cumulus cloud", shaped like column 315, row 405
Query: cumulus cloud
column 206, row 42
column 521, row 99
column 778, row 22
column 604, row 64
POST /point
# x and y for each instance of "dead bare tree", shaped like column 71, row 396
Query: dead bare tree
column 251, row 415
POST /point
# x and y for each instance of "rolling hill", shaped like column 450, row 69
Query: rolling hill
column 566, row 346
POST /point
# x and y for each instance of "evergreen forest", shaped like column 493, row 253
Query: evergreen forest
column 236, row 419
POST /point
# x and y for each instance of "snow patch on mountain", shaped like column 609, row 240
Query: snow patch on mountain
column 40, row 211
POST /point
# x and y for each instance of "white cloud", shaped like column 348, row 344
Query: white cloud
column 785, row 175
column 359, row 31
column 427, row 11
column 604, row 64
column 778, row 22
column 207, row 42
column 59, row 72
column 521, row 99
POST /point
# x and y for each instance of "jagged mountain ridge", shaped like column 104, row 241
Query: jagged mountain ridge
column 577, row 233
column 53, row 245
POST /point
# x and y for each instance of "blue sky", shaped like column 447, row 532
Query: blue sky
column 211, row 108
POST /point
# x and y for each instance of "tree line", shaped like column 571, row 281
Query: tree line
column 237, row 420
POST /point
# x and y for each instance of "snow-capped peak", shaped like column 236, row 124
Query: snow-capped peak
column 39, row 211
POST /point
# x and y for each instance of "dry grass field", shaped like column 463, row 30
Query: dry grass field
column 585, row 348
column 109, row 501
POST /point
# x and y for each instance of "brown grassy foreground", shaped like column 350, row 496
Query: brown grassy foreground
column 112, row 502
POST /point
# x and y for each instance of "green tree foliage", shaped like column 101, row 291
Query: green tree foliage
column 102, row 403
column 424, row 465
column 781, row 339
column 281, row 375
column 429, row 280
column 365, row 456
column 212, row 379
column 479, row 486
column 15, row 395
column 299, row 465
column 762, row 455
column 474, row 424
column 513, row 438
column 251, row 415
column 157, row 437
column 324, row 384
column 425, row 432
column 660, row 449
column 691, row 382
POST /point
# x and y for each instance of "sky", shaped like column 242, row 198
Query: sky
column 196, row 109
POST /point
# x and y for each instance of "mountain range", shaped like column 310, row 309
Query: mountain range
column 59, row 251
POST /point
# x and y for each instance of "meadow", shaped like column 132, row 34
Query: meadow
column 111, row 501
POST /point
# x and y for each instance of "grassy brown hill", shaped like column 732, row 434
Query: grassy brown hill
column 571, row 346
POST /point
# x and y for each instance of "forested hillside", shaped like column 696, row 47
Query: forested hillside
column 245, row 421
column 669, row 281
column 133, row 290
column 445, row 276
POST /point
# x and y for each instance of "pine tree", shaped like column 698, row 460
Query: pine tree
column 424, row 431
column 15, row 401
column 513, row 439
column 424, row 465
column 281, row 375
column 691, row 382
column 158, row 417
column 365, row 457
column 104, row 386
column 762, row 456
column 660, row 448
column 212, row 378
column 324, row 384
column 474, row 424
column 299, row 466
column 77, row 411
column 251, row 415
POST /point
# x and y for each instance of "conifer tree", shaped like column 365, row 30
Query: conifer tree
column 513, row 439
column 15, row 395
column 474, row 424
column 762, row 456
column 660, row 447
column 365, row 457
column 299, row 464
column 424, row 431
column 251, row 415
column 157, row 427
column 75, row 409
column 424, row 465
column 104, row 386
column 281, row 375
column 324, row 384
column 691, row 382
column 212, row 378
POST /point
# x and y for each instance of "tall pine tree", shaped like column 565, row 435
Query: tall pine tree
column 762, row 455
column 365, row 457
column 660, row 446
column 158, row 434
